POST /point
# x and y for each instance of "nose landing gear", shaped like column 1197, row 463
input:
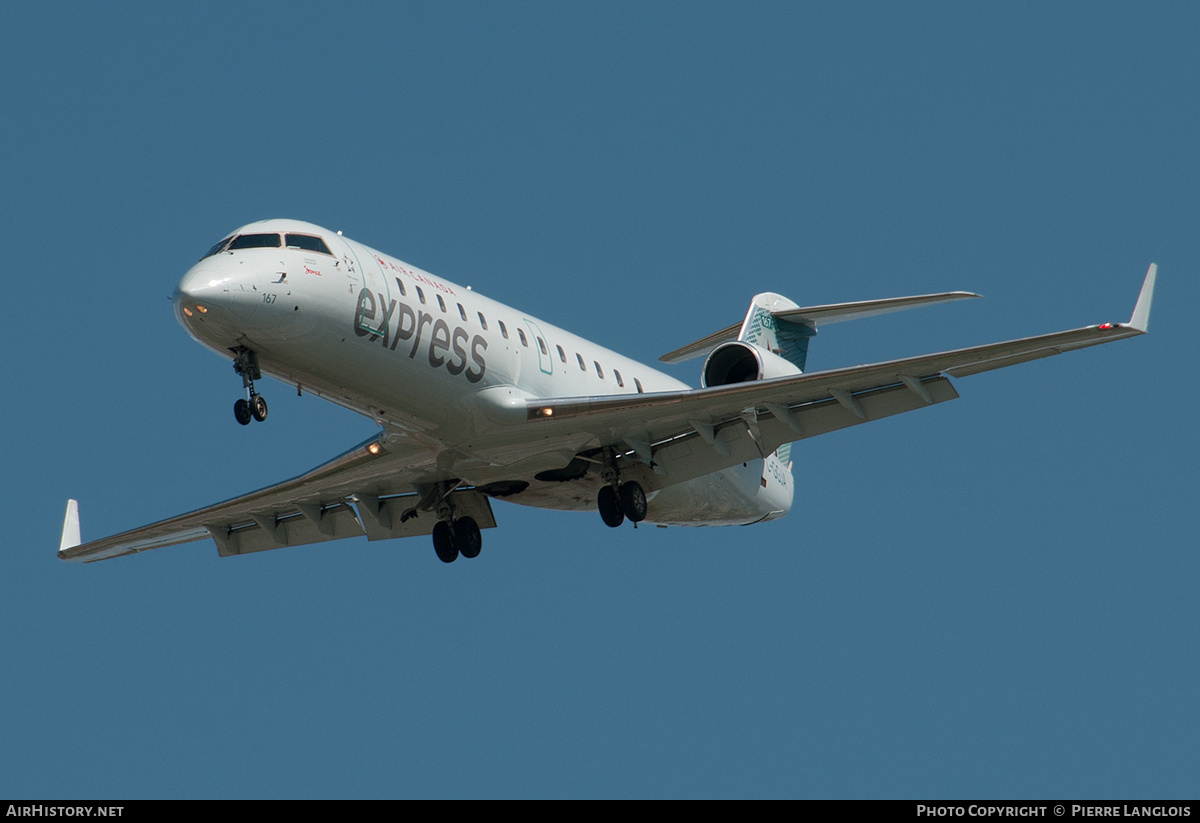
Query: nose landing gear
column 253, row 409
column 253, row 406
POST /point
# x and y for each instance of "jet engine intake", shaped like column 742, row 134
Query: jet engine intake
column 741, row 362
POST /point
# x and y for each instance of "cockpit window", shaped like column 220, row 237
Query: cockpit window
column 306, row 242
column 255, row 241
column 217, row 249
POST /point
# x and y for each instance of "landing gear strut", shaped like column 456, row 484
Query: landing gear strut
column 618, row 500
column 253, row 406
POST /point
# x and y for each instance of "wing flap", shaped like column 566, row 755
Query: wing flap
column 312, row 507
column 277, row 530
column 691, row 455
column 393, row 517
column 366, row 515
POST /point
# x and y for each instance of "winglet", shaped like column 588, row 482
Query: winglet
column 70, row 532
column 1141, row 312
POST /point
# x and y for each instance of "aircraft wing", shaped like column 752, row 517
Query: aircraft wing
column 785, row 409
column 385, row 479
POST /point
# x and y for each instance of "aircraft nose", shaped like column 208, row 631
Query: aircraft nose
column 196, row 285
column 207, row 296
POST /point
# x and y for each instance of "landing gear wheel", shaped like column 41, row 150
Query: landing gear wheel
column 467, row 538
column 241, row 410
column 633, row 501
column 443, row 542
column 610, row 507
column 245, row 363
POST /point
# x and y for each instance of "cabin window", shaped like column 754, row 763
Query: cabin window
column 638, row 383
column 306, row 242
column 562, row 355
column 503, row 330
column 582, row 365
column 441, row 302
column 255, row 241
column 482, row 321
column 521, row 334
column 421, row 295
column 462, row 312
column 620, row 382
column 599, row 371
column 542, row 346
column 400, row 285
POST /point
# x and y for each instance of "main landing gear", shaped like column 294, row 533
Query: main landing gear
column 252, row 406
column 618, row 500
column 626, row 500
column 452, row 535
column 452, row 538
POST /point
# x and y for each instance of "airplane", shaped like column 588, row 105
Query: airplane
column 477, row 401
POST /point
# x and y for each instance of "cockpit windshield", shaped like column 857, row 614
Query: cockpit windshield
column 305, row 242
column 218, row 248
column 255, row 241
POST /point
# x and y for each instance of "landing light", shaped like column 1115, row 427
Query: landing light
column 201, row 309
column 187, row 311
column 374, row 448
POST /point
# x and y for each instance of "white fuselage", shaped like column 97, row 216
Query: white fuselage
column 440, row 365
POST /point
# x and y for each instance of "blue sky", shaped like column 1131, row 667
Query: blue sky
column 991, row 598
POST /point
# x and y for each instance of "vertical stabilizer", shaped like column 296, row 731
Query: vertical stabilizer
column 765, row 329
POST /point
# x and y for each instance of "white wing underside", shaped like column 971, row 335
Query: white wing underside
column 385, row 487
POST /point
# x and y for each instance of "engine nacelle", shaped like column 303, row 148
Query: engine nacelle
column 739, row 362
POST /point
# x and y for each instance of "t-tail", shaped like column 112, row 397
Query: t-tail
column 773, row 339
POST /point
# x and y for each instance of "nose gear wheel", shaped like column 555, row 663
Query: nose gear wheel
column 253, row 406
column 241, row 410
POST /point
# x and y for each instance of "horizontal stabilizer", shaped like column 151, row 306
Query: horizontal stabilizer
column 838, row 312
column 818, row 316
